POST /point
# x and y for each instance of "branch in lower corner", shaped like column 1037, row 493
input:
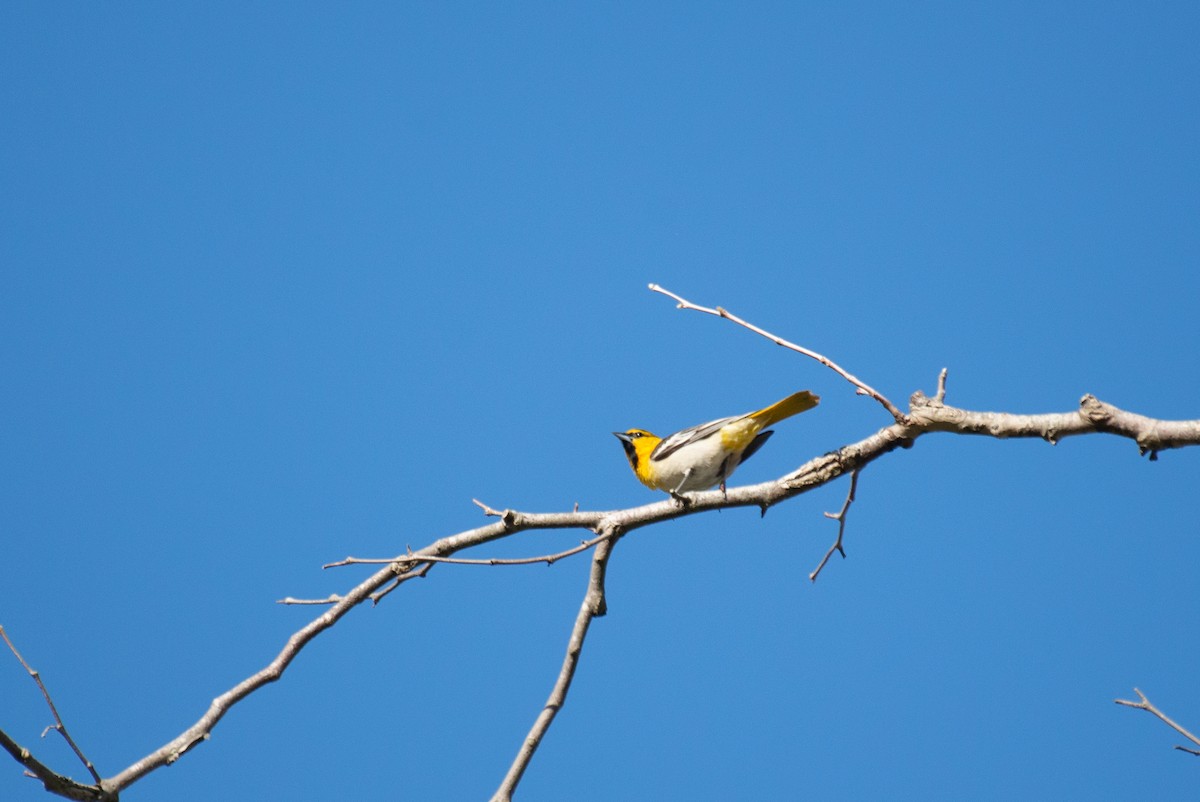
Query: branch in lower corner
column 58, row 722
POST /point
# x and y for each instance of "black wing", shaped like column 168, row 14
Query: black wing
column 756, row 444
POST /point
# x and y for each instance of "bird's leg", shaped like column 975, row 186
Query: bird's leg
column 726, row 469
column 677, row 493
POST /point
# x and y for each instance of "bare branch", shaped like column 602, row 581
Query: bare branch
column 1144, row 704
column 397, row 566
column 417, row 573
column 863, row 388
column 940, row 398
column 548, row 559
column 593, row 605
column 332, row 598
column 507, row 516
column 52, row 781
column 926, row 415
column 1151, row 435
column 58, row 722
column 840, row 517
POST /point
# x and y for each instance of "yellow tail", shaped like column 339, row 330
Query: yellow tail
column 794, row 404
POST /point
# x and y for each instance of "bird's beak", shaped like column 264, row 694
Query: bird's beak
column 630, row 449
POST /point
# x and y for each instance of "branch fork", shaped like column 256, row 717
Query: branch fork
column 1144, row 704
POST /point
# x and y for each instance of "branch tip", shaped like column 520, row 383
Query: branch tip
column 863, row 388
column 486, row 509
column 1145, row 704
column 58, row 722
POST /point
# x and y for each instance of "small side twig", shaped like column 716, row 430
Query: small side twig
column 548, row 559
column 1145, row 704
column 840, row 517
column 52, row 781
column 862, row 387
column 58, row 722
column 418, row 572
column 507, row 517
column 332, row 598
column 401, row 576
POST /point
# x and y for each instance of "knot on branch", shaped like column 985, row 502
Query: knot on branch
column 1095, row 411
column 1150, row 435
column 918, row 400
column 402, row 567
column 509, row 519
column 817, row 471
column 597, row 605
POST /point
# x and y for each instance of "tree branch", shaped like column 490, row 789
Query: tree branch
column 1150, row 434
column 593, row 606
column 1144, row 704
column 925, row 415
column 52, row 781
column 58, row 722
column 840, row 517
column 862, row 387
column 548, row 559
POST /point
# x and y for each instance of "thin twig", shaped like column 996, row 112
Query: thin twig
column 52, row 781
column 416, row 573
column 593, row 606
column 508, row 517
column 1145, row 704
column 58, row 722
column 548, row 559
column 332, row 598
column 395, row 581
column 840, row 517
column 366, row 561
column 486, row 509
column 862, row 387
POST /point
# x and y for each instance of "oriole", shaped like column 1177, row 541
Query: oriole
column 705, row 455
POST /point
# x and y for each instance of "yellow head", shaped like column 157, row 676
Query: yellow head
column 638, row 443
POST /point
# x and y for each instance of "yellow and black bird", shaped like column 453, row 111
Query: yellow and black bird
column 706, row 455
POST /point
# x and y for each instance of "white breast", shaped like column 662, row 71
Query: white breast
column 705, row 462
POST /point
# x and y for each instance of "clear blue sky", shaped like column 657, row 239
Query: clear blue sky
column 283, row 283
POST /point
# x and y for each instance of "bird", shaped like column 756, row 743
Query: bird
column 700, row 457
